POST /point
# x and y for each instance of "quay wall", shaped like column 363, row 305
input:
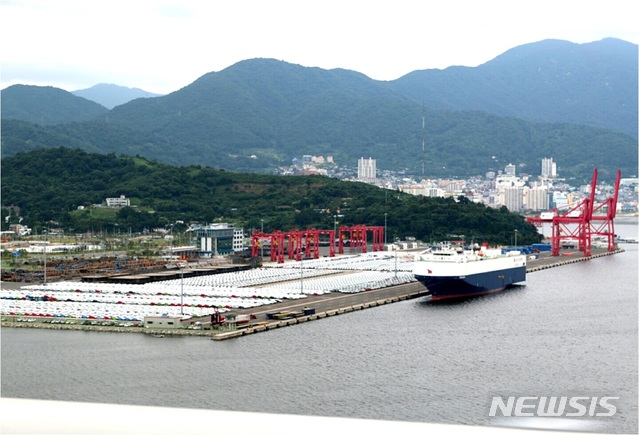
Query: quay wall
column 10, row 321
column 320, row 315
column 550, row 262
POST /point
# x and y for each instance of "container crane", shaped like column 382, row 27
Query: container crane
column 582, row 221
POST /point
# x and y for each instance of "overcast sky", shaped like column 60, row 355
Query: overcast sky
column 164, row 45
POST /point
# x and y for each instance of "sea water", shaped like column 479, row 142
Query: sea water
column 569, row 331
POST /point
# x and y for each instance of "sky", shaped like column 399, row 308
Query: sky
column 163, row 45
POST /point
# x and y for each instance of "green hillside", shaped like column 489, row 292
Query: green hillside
column 49, row 185
column 46, row 105
column 457, row 145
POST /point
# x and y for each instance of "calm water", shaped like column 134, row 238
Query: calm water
column 570, row 331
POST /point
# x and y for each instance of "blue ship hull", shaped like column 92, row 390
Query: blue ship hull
column 462, row 287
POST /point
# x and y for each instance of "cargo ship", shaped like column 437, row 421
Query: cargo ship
column 457, row 273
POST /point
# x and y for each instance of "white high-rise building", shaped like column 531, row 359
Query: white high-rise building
column 366, row 169
column 513, row 199
column 538, row 198
column 548, row 168
column 510, row 170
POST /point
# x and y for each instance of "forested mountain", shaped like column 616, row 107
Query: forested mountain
column 110, row 95
column 549, row 81
column 459, row 145
column 46, row 105
column 48, row 185
column 94, row 136
column 259, row 114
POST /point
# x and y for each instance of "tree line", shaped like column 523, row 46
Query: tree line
column 61, row 187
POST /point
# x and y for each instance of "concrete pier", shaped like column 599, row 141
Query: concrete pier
column 408, row 292
column 321, row 306
column 547, row 262
column 386, row 296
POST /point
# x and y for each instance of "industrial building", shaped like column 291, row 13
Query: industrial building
column 218, row 239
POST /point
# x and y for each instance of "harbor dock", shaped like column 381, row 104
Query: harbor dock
column 297, row 311
column 336, row 304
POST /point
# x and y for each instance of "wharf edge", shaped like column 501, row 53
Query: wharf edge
column 346, row 303
column 548, row 262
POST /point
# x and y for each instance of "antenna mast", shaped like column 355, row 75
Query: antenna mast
column 423, row 138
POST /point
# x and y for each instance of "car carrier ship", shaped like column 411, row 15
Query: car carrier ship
column 457, row 273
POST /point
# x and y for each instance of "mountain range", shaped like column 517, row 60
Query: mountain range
column 549, row 81
column 110, row 95
column 576, row 103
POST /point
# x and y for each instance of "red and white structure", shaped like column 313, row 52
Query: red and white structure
column 298, row 244
column 357, row 235
column 582, row 221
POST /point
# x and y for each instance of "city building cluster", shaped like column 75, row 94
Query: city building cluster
column 519, row 193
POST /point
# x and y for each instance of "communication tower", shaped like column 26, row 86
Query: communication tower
column 423, row 138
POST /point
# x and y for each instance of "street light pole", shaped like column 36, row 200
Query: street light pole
column 301, row 277
column 515, row 237
column 45, row 259
column 395, row 248
column 181, row 290
column 385, row 214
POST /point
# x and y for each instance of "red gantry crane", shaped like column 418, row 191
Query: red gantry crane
column 580, row 222
column 358, row 236
column 604, row 224
column 294, row 244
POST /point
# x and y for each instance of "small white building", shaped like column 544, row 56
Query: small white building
column 20, row 230
column 122, row 201
column 163, row 322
